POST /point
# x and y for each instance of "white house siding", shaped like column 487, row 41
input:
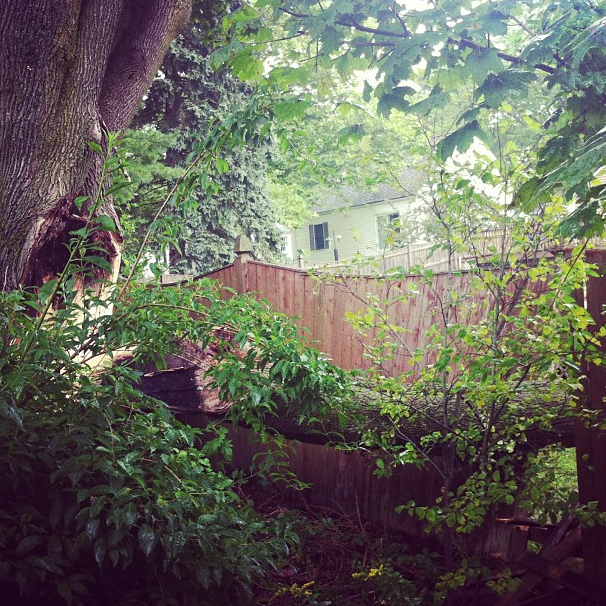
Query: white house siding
column 357, row 226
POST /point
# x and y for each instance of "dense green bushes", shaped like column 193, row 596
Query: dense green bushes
column 104, row 497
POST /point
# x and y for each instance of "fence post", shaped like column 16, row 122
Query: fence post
column 591, row 441
column 243, row 249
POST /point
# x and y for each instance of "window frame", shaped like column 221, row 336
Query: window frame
column 314, row 236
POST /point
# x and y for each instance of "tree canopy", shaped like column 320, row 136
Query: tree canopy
column 186, row 98
column 417, row 58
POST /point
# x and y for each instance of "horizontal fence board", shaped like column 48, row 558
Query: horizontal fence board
column 344, row 481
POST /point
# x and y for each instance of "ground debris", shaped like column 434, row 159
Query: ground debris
column 342, row 560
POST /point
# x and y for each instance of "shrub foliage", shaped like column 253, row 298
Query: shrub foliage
column 105, row 498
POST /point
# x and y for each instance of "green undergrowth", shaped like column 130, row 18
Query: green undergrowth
column 342, row 560
column 555, row 467
column 105, row 498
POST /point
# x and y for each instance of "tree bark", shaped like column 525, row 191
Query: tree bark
column 72, row 70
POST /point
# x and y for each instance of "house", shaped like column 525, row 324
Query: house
column 354, row 222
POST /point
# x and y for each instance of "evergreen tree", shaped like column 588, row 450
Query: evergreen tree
column 187, row 97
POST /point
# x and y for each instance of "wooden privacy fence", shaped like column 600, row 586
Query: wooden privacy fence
column 414, row 254
column 591, row 440
column 482, row 245
column 322, row 306
column 320, row 302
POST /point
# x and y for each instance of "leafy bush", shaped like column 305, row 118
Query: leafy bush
column 104, row 497
column 495, row 374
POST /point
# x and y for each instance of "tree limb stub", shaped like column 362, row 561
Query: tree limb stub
column 151, row 25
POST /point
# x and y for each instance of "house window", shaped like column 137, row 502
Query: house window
column 284, row 243
column 387, row 227
column 318, row 236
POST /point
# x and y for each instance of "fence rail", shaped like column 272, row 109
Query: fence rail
column 427, row 255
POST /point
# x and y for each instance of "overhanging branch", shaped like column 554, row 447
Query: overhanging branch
column 405, row 35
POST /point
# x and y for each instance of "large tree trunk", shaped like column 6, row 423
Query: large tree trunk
column 71, row 70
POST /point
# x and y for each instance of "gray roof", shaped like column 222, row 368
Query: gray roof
column 408, row 184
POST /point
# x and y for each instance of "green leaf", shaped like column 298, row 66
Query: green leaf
column 495, row 23
column 580, row 169
column 64, row 590
column 481, row 62
column 99, row 551
column 146, row 538
column 92, row 528
column 95, row 147
column 288, row 110
column 437, row 99
column 46, row 290
column 331, row 40
column 461, row 140
column 247, row 67
column 497, row 87
column 354, row 132
column 222, row 165
column 203, row 576
column 117, row 187
column 593, row 37
column 114, row 556
column 100, row 262
column 390, row 101
column 10, row 412
column 530, row 195
column 27, row 544
column 79, row 233
column 470, row 114
column 130, row 514
column 79, row 201
column 47, row 565
column 290, row 76
column 217, row 575
column 97, row 506
column 106, row 223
